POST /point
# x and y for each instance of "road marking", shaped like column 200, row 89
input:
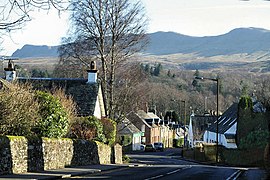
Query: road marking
column 169, row 173
column 234, row 175
column 175, row 171
column 155, row 177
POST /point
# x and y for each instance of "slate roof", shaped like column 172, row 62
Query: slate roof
column 226, row 120
column 84, row 94
column 126, row 127
column 145, row 118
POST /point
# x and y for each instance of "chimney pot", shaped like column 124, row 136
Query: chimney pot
column 10, row 71
column 92, row 73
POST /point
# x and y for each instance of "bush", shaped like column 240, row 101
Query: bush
column 54, row 119
column 18, row 110
column 67, row 102
column 109, row 130
column 125, row 159
column 255, row 140
column 178, row 142
column 89, row 128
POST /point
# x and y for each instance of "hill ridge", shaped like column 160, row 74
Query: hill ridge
column 237, row 41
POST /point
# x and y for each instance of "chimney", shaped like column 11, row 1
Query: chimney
column 146, row 107
column 10, row 72
column 92, row 73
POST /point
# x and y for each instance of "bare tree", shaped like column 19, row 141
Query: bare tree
column 113, row 31
column 14, row 13
column 130, row 78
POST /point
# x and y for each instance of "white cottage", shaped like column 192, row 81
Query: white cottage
column 227, row 126
column 126, row 128
column 87, row 93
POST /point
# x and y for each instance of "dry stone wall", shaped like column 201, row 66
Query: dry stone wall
column 19, row 154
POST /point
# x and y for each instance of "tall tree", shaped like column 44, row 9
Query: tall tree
column 114, row 30
column 130, row 78
column 14, row 13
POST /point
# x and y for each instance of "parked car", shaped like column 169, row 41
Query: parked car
column 159, row 146
column 149, row 148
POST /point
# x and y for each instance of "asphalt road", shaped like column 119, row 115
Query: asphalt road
column 169, row 165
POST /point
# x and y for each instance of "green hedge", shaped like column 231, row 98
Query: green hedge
column 54, row 121
column 249, row 157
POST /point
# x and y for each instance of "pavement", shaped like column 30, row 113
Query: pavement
column 67, row 172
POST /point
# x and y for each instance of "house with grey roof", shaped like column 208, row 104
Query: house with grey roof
column 227, row 126
column 125, row 129
column 152, row 128
column 86, row 93
column 200, row 123
column 150, row 131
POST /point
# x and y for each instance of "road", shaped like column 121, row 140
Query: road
column 164, row 166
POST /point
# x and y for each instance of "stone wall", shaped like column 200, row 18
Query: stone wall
column 20, row 154
column 117, row 154
column 13, row 155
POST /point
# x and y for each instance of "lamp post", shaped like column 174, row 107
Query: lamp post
column 184, row 123
column 216, row 80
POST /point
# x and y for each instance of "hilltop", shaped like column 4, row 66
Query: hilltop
column 237, row 41
column 242, row 49
column 36, row 51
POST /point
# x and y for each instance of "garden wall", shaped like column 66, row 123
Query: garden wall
column 20, row 154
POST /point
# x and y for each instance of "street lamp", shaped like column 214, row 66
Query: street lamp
column 216, row 80
column 184, row 123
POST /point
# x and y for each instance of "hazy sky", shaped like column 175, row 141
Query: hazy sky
column 189, row 17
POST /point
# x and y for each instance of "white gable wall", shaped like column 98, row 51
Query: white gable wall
column 210, row 137
column 99, row 106
column 97, row 112
column 136, row 143
column 232, row 130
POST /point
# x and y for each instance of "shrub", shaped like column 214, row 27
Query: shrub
column 54, row 119
column 125, row 159
column 89, row 128
column 109, row 130
column 245, row 102
column 178, row 142
column 125, row 140
column 18, row 110
column 254, row 140
column 67, row 102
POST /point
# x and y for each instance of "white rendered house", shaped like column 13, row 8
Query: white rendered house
column 227, row 126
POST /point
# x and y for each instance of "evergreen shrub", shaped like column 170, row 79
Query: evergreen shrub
column 54, row 120
column 89, row 128
column 109, row 130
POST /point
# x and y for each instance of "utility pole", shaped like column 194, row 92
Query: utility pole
column 217, row 115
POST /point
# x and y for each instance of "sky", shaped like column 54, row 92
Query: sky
column 189, row 17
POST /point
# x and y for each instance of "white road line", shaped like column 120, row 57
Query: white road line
column 155, row 177
column 174, row 171
column 234, row 174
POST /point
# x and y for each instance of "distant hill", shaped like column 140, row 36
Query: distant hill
column 34, row 51
column 237, row 41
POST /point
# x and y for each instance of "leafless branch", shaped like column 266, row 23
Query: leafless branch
column 15, row 13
